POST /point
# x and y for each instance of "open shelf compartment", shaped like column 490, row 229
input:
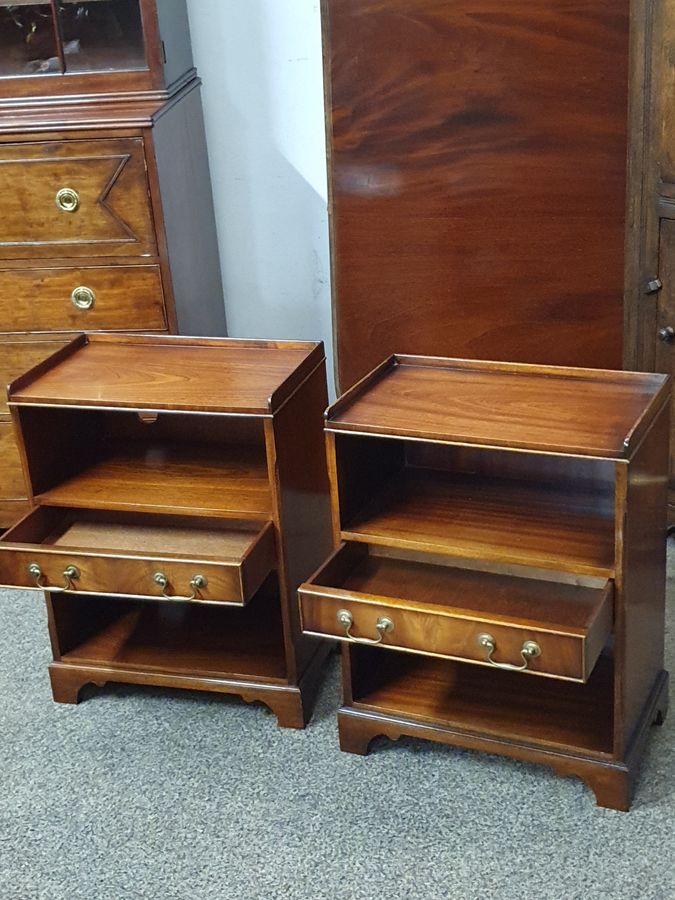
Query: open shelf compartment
column 472, row 700
column 511, row 507
column 148, row 461
column 173, row 638
column 140, row 555
column 451, row 612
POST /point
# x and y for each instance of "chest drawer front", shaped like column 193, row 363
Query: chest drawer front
column 88, row 298
column 17, row 356
column 12, row 485
column 538, row 627
column 137, row 556
column 75, row 198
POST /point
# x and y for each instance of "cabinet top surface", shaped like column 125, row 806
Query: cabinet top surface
column 220, row 375
column 582, row 412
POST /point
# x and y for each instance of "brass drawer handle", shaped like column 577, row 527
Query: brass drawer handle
column 196, row 583
column 529, row 650
column 83, row 297
column 70, row 574
column 384, row 625
column 67, row 200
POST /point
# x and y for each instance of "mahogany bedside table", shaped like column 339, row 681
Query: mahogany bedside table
column 181, row 497
column 499, row 580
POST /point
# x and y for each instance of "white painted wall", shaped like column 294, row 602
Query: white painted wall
column 260, row 61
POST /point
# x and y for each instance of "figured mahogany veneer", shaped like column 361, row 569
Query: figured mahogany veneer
column 486, row 175
column 182, row 478
column 41, row 299
column 490, row 517
column 441, row 611
column 115, row 554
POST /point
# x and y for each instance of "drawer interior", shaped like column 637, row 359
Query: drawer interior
column 148, row 461
column 134, row 534
column 477, row 503
column 357, row 571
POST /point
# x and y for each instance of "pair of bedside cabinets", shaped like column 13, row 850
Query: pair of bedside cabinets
column 497, row 575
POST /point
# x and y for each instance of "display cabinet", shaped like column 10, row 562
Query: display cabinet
column 498, row 580
column 180, row 496
column 108, row 217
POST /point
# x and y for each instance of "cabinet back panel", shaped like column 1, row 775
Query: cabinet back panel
column 596, row 475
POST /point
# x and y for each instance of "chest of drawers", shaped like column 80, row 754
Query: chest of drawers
column 179, row 495
column 499, row 577
column 108, row 220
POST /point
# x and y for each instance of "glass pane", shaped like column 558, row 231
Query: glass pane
column 27, row 40
column 102, row 35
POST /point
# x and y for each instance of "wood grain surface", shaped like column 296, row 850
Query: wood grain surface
column 441, row 611
column 478, row 178
column 586, row 413
column 219, row 376
column 114, row 216
column 127, row 298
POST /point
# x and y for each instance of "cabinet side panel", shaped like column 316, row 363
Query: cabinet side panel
column 174, row 32
column 189, row 220
column 641, row 577
column 302, row 501
column 478, row 155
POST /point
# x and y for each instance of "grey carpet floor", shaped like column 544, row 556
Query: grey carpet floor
column 142, row 793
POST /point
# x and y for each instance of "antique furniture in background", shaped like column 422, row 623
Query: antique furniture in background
column 650, row 314
column 486, row 177
column 107, row 211
column 499, row 577
column 181, row 496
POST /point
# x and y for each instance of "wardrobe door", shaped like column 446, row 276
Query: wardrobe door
column 478, row 178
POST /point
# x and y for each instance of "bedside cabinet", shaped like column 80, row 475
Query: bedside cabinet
column 499, row 577
column 181, row 496
column 108, row 220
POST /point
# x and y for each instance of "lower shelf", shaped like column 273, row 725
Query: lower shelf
column 173, row 638
column 483, row 701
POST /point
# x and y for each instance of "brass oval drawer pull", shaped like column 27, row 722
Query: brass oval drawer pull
column 67, row 200
column 384, row 625
column 70, row 574
column 529, row 650
column 83, row 297
column 196, row 583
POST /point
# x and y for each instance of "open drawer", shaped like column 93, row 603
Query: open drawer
column 540, row 627
column 137, row 555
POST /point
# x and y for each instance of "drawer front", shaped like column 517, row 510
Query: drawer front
column 16, row 357
column 12, row 485
column 132, row 577
column 493, row 619
column 96, row 298
column 75, row 198
column 560, row 656
column 31, row 557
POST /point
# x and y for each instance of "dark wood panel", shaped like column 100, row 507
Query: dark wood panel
column 478, row 178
